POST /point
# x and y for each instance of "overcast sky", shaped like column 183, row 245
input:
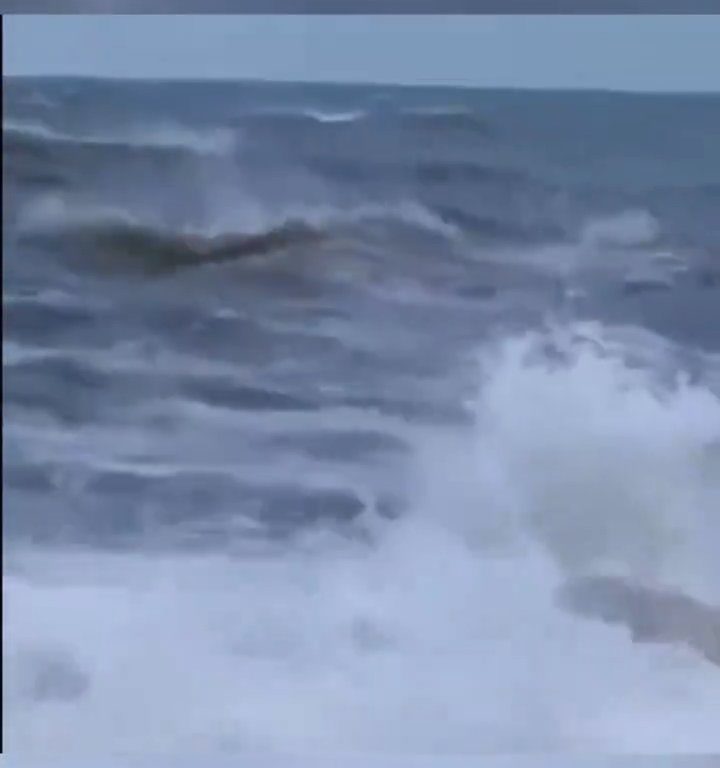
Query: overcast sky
column 647, row 53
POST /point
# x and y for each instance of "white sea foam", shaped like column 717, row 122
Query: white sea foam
column 235, row 214
column 252, row 216
column 52, row 212
column 628, row 228
column 314, row 114
column 443, row 636
column 336, row 117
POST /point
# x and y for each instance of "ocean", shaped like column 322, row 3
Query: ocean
column 314, row 395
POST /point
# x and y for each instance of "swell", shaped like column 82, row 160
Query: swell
column 117, row 238
column 131, row 245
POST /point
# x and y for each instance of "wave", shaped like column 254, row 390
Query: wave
column 454, row 119
column 216, row 141
column 155, row 249
column 31, row 130
column 336, row 117
column 307, row 114
column 55, row 213
column 120, row 234
column 581, row 457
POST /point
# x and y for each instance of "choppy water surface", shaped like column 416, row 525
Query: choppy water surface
column 313, row 396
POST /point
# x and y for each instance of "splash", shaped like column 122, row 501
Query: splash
column 440, row 633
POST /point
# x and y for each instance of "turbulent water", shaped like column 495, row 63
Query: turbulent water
column 315, row 395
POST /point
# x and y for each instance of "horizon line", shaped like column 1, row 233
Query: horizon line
column 366, row 84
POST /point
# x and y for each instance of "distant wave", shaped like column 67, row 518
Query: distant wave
column 217, row 141
column 448, row 118
column 306, row 114
column 335, row 117
column 13, row 128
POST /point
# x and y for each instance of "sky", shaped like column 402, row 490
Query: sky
column 360, row 6
column 635, row 53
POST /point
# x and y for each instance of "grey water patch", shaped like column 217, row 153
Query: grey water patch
column 72, row 389
column 228, row 393
column 366, row 636
column 35, row 320
column 61, row 387
column 31, row 477
column 709, row 278
column 46, row 674
column 287, row 508
column 343, row 445
column 121, row 507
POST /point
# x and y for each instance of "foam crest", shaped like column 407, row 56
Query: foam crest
column 628, row 228
column 579, row 445
column 215, row 141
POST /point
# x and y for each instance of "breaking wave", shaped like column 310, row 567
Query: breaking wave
column 216, row 141
column 572, row 464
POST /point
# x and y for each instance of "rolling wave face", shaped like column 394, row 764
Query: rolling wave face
column 128, row 245
column 113, row 236
column 162, row 137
